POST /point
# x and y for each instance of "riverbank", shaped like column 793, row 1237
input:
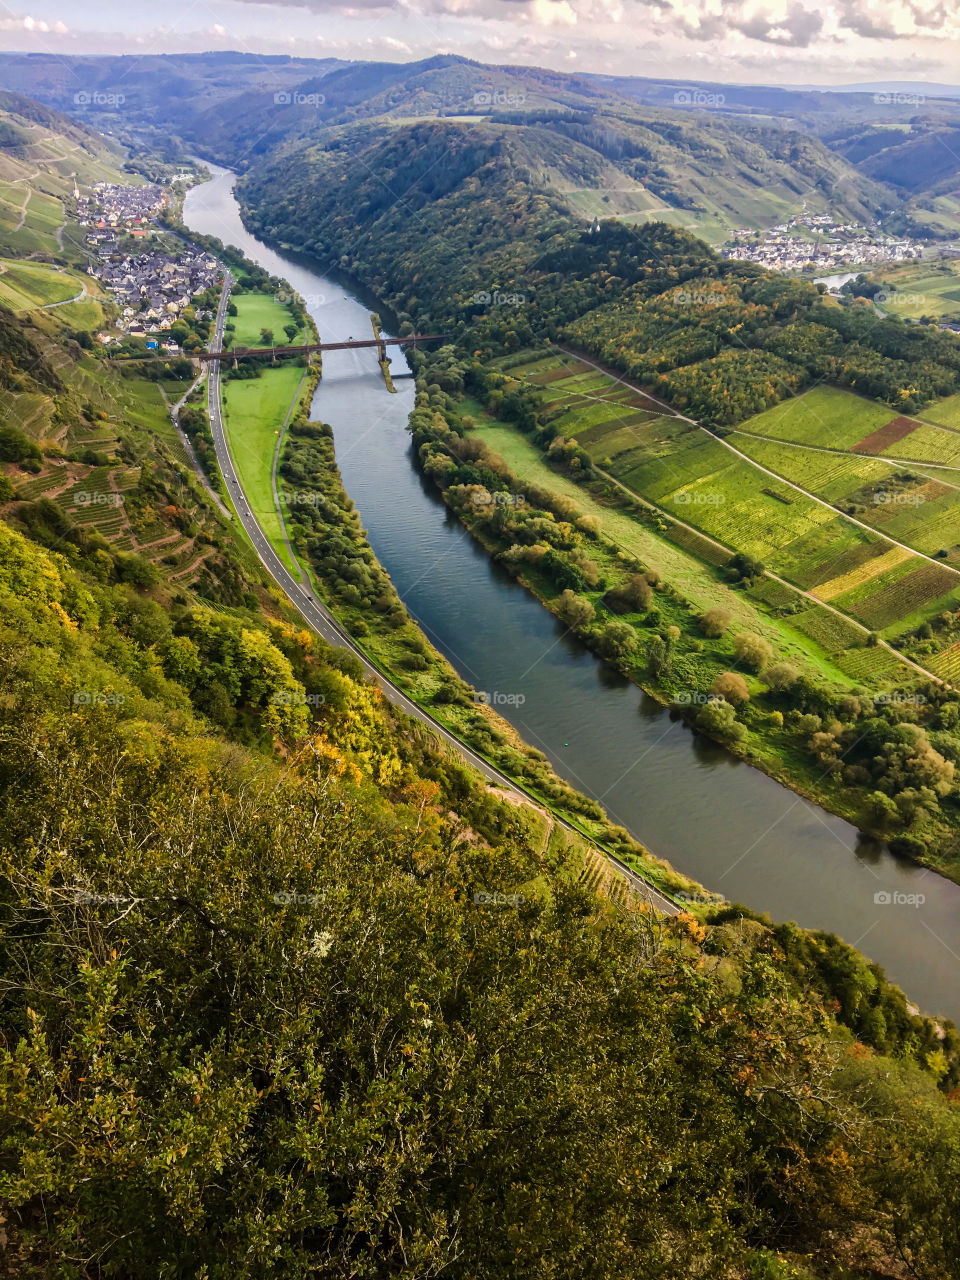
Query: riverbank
column 732, row 828
column 329, row 540
column 795, row 718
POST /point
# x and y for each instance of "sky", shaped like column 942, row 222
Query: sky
column 817, row 42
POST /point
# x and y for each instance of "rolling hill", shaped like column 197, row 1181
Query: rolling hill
column 593, row 143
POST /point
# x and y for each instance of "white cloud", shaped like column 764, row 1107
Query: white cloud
column 553, row 13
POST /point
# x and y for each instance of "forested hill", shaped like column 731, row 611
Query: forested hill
column 716, row 169
column 458, row 230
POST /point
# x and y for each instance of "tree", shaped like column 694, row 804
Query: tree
column 576, row 611
column 659, row 656
column 752, row 650
column 633, row 595
column 731, row 687
column 266, row 337
column 780, row 677
column 617, row 642
column 715, row 622
column 719, row 720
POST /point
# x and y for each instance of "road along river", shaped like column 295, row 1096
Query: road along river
column 686, row 799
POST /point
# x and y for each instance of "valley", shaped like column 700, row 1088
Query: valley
column 494, row 813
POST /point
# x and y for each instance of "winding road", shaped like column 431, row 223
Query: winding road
column 315, row 612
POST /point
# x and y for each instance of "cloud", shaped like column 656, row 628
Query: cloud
column 795, row 25
column 894, row 19
column 24, row 22
column 553, row 13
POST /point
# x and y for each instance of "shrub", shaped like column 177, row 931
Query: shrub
column 719, row 720
column 576, row 611
column 715, row 622
column 752, row 650
column 731, row 687
column 779, row 677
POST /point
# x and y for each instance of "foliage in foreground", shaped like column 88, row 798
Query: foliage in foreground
column 259, row 1016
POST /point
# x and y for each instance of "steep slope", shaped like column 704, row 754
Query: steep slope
column 42, row 155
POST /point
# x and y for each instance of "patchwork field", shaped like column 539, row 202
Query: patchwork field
column 923, row 288
column 886, row 437
column 826, row 416
column 685, row 558
column 906, row 505
column 833, row 446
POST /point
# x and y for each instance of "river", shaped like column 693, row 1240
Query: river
column 689, row 801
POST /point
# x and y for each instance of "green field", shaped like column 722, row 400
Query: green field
column 698, row 479
column 946, row 412
column 923, row 512
column 254, row 412
column 826, row 416
column 925, row 288
column 697, row 581
column 256, row 311
column 27, row 285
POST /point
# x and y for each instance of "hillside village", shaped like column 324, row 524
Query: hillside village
column 152, row 288
column 788, row 245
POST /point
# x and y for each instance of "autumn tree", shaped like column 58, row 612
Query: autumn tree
column 714, row 622
column 732, row 687
column 752, row 650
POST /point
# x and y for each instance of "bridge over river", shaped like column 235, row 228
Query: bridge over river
column 245, row 353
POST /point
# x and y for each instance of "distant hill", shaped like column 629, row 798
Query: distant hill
column 708, row 157
column 164, row 90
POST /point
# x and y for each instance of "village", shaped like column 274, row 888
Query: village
column 816, row 242
column 152, row 288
